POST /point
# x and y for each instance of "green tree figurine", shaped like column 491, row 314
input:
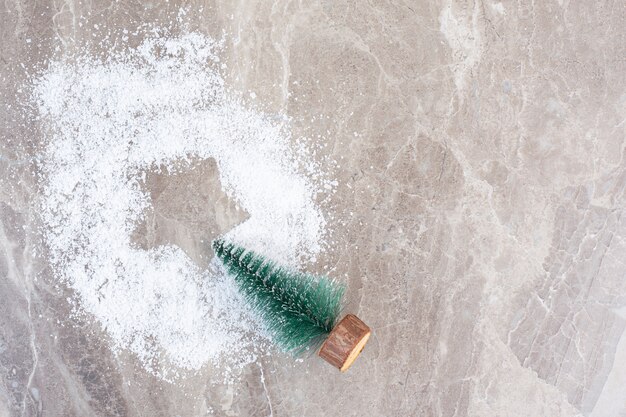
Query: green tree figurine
column 299, row 310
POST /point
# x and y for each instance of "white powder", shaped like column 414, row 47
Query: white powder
column 107, row 122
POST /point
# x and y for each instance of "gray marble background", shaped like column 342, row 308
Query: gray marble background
column 487, row 183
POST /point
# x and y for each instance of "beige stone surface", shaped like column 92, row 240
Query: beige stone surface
column 480, row 207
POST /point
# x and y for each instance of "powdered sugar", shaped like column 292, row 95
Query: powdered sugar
column 164, row 103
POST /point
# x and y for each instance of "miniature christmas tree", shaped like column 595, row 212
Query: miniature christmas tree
column 300, row 310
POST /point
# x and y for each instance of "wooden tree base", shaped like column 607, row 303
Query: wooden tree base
column 345, row 342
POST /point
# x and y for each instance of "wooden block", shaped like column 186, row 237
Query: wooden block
column 345, row 342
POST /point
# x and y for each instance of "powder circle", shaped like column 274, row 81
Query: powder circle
column 161, row 104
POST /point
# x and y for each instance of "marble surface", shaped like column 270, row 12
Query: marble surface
column 482, row 181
